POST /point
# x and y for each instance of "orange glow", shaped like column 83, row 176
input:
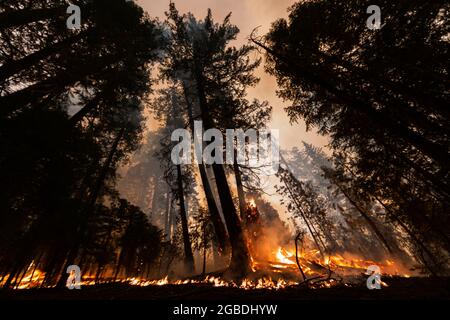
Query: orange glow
column 281, row 272
column 284, row 256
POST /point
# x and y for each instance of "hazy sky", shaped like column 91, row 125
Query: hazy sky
column 248, row 14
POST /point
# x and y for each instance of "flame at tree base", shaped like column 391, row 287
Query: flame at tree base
column 278, row 274
column 271, row 269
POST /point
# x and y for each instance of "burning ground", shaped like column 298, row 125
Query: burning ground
column 212, row 289
column 293, row 272
column 280, row 267
column 282, row 273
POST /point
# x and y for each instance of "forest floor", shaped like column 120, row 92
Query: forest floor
column 397, row 289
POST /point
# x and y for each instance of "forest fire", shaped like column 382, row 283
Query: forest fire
column 273, row 267
column 280, row 273
column 162, row 150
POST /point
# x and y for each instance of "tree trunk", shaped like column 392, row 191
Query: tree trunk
column 240, row 256
column 314, row 234
column 240, row 264
column 188, row 256
column 205, row 247
column 407, row 230
column 168, row 219
column 366, row 217
column 310, row 227
column 239, row 186
column 73, row 253
column 219, row 228
column 414, row 238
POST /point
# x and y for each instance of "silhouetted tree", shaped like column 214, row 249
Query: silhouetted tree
column 70, row 104
column 170, row 106
column 199, row 55
column 380, row 95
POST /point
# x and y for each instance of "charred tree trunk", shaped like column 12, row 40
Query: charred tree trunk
column 155, row 196
column 219, row 228
column 168, row 217
column 240, row 264
column 240, row 256
column 239, row 186
column 188, row 256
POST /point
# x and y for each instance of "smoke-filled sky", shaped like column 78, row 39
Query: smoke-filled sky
column 247, row 15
